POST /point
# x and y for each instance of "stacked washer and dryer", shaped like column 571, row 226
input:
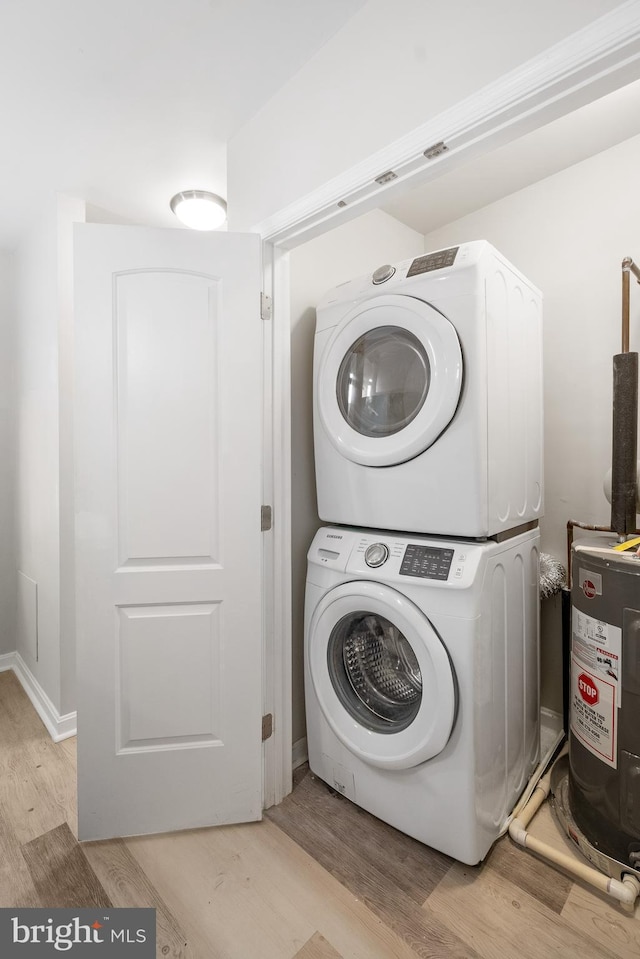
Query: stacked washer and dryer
column 422, row 597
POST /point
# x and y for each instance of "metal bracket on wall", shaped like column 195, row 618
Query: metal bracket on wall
column 386, row 177
column 266, row 518
column 436, row 150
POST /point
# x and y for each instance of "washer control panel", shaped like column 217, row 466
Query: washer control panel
column 400, row 558
column 376, row 555
column 426, row 562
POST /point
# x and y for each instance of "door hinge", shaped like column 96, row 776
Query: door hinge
column 265, row 306
column 267, row 726
column 266, row 518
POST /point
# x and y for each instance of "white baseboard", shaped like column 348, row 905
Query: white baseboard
column 59, row 727
column 7, row 661
column 299, row 753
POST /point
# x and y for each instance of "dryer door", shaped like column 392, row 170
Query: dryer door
column 389, row 380
column 381, row 674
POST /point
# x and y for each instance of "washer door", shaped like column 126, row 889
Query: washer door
column 389, row 380
column 381, row 674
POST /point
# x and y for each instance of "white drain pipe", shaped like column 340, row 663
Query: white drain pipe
column 624, row 891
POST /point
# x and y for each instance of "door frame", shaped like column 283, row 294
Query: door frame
column 587, row 65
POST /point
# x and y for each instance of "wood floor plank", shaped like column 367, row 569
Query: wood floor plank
column 37, row 778
column 541, row 880
column 252, row 891
column 128, row 886
column 412, row 867
column 317, row 948
column 19, row 722
column 16, row 884
column 318, row 879
column 373, row 883
column 349, row 925
column 29, row 808
column 545, row 826
column 56, row 778
column 603, row 922
column 217, row 894
column 69, row 746
column 61, row 872
column 501, row 921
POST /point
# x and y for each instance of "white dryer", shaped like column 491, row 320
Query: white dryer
column 428, row 396
column 421, row 679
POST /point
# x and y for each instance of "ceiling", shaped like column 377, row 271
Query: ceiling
column 127, row 102
column 589, row 130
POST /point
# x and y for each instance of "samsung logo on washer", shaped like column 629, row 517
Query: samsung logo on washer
column 47, row 932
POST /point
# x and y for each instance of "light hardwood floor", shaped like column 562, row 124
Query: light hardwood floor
column 317, row 879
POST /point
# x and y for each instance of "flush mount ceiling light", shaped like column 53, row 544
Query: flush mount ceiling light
column 199, row 209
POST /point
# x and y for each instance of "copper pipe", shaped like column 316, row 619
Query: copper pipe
column 625, row 311
column 628, row 266
column 571, row 523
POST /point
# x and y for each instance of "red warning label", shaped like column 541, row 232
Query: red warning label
column 594, row 713
column 588, row 689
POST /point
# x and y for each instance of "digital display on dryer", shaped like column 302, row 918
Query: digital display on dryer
column 427, row 562
column 433, row 261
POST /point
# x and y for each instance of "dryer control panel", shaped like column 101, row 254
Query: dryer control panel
column 433, row 261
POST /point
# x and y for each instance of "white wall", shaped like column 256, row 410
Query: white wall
column 37, row 533
column 70, row 211
column 349, row 251
column 568, row 234
column 43, row 433
column 389, row 70
column 7, row 460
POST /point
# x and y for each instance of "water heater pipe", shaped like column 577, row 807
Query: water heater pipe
column 624, row 891
column 625, row 421
column 628, row 266
column 571, row 524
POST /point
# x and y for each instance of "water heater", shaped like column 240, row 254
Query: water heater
column 604, row 741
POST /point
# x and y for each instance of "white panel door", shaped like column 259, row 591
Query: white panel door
column 168, row 399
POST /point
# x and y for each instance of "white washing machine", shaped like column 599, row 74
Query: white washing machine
column 422, row 679
column 428, row 396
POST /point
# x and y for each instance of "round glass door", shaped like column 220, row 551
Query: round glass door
column 389, row 380
column 374, row 672
column 381, row 675
column 383, row 381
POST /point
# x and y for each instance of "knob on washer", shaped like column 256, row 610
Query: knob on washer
column 376, row 554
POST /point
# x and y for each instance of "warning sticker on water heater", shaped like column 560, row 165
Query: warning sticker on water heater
column 594, row 713
column 596, row 668
column 598, row 647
